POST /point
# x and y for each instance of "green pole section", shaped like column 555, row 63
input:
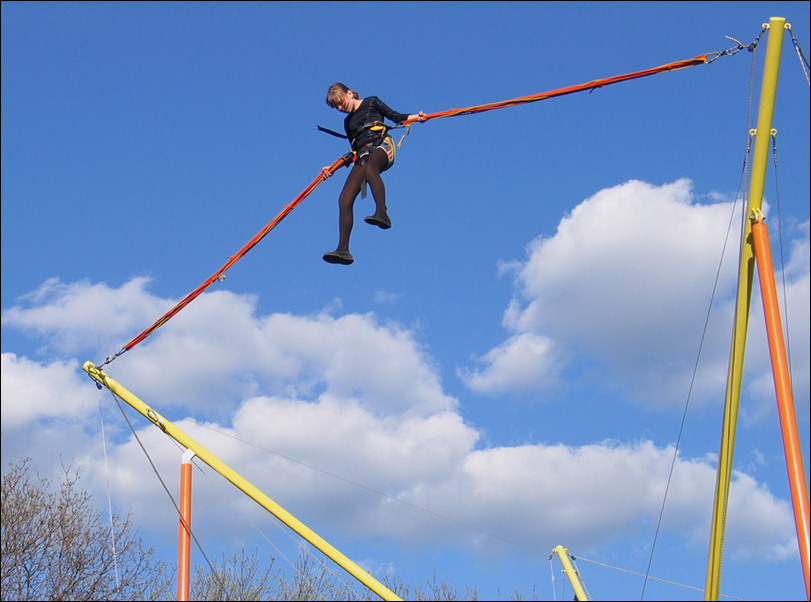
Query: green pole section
column 241, row 483
column 745, row 280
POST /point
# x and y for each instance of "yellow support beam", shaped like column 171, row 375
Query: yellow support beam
column 571, row 573
column 745, row 279
column 241, row 483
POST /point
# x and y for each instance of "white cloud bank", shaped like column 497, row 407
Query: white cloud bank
column 362, row 400
column 627, row 281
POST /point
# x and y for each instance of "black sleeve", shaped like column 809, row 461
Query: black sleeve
column 384, row 110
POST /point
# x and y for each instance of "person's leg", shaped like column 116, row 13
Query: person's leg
column 377, row 163
column 346, row 203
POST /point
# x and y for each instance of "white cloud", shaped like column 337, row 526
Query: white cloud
column 627, row 281
column 80, row 316
column 338, row 465
column 351, row 410
column 184, row 363
column 32, row 391
column 524, row 362
column 386, row 297
column 360, row 404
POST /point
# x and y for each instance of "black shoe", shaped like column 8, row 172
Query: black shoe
column 378, row 220
column 343, row 257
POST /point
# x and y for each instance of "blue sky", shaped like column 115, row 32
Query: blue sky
column 509, row 368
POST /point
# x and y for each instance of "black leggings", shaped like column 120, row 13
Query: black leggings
column 376, row 163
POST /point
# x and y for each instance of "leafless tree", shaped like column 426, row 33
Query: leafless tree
column 56, row 545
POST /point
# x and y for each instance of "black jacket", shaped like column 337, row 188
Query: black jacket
column 357, row 123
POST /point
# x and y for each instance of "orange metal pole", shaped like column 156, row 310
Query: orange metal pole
column 782, row 385
column 184, row 541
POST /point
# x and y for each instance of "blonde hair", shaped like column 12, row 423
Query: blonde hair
column 336, row 94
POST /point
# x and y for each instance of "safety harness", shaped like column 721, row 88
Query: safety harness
column 360, row 157
column 375, row 126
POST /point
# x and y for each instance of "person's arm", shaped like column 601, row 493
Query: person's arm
column 396, row 117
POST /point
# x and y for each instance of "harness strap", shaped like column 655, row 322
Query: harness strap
column 336, row 134
column 375, row 126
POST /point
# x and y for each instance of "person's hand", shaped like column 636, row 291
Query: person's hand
column 421, row 116
column 326, row 172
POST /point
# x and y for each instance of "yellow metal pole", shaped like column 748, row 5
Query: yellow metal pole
column 745, row 278
column 563, row 554
column 241, row 483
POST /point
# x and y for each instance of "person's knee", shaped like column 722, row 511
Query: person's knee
column 345, row 201
column 372, row 174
